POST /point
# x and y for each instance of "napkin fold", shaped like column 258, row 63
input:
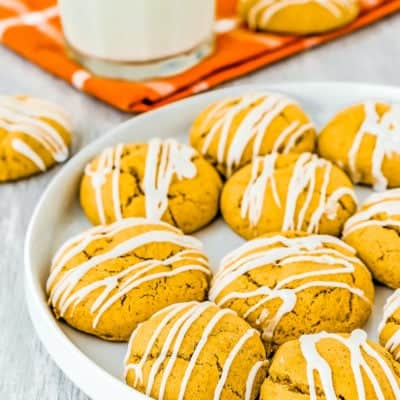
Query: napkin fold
column 32, row 29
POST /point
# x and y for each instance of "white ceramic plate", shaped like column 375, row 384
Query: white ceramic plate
column 97, row 366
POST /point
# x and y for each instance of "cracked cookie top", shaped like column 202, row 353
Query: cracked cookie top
column 232, row 131
column 283, row 192
column 108, row 279
column 374, row 231
column 34, row 135
column 289, row 284
column 332, row 366
column 300, row 17
column 196, row 351
column 389, row 328
column 364, row 140
column 161, row 180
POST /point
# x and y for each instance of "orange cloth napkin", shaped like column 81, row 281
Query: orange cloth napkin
column 32, row 29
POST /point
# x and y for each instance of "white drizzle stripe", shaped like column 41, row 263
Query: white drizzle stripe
column 392, row 306
column 164, row 161
column 386, row 130
column 199, row 347
column 24, row 115
column 108, row 162
column 252, row 377
column 21, row 147
column 303, row 181
column 387, row 203
column 255, row 254
column 253, row 126
column 356, row 343
column 229, row 361
column 62, row 292
column 263, row 11
column 178, row 343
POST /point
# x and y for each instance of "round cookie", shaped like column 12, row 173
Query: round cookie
column 332, row 366
column 110, row 278
column 161, row 180
column 232, row 131
column 196, row 351
column 364, row 140
column 288, row 192
column 374, row 231
column 389, row 328
column 289, row 284
column 299, row 17
column 34, row 135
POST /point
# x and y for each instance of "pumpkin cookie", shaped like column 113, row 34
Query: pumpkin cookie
column 364, row 140
column 34, row 135
column 374, row 231
column 232, row 131
column 110, row 278
column 289, row 284
column 196, row 351
column 299, row 17
column 389, row 329
column 162, row 180
column 332, row 366
column 288, row 192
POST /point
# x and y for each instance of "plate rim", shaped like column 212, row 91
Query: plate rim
column 46, row 327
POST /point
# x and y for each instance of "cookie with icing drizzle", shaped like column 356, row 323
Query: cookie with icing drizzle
column 289, row 284
column 300, row 17
column 332, row 366
column 288, row 192
column 364, row 140
column 161, row 180
column 232, row 131
column 196, row 351
column 374, row 231
column 108, row 279
column 389, row 328
column 34, row 135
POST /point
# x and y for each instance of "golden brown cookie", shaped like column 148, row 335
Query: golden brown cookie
column 290, row 284
column 332, row 366
column 299, row 17
column 364, row 140
column 389, row 328
column 374, row 231
column 34, row 135
column 162, row 180
column 110, row 278
column 196, row 351
column 232, row 131
column 288, row 192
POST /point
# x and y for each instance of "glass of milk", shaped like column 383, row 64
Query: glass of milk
column 138, row 39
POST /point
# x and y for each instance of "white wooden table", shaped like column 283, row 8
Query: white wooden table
column 26, row 371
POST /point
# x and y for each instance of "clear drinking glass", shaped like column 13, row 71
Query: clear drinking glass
column 138, row 39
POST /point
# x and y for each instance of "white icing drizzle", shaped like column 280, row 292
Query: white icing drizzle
column 263, row 11
column 26, row 150
column 252, row 126
column 357, row 344
column 62, row 287
column 165, row 160
column 25, row 115
column 386, row 130
column 108, row 162
column 392, row 305
column 387, row 203
column 185, row 315
column 282, row 250
column 303, row 180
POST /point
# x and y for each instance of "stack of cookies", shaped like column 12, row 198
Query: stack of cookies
column 282, row 317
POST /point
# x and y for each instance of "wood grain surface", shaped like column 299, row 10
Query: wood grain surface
column 26, row 370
